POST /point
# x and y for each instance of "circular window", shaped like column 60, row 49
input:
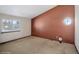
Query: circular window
column 67, row 21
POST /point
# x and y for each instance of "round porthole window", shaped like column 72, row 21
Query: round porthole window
column 67, row 21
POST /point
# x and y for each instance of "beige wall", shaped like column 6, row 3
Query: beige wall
column 77, row 27
column 25, row 29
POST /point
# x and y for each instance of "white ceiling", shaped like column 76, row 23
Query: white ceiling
column 28, row 11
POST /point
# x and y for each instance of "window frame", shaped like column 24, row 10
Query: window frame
column 3, row 30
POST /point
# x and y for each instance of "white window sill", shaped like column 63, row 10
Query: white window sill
column 7, row 31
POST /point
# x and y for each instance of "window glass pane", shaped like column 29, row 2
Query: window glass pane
column 10, row 25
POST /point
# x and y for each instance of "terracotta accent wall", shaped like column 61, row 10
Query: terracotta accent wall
column 50, row 24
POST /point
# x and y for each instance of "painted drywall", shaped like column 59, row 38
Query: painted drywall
column 77, row 27
column 51, row 24
column 0, row 30
column 28, row 11
column 25, row 29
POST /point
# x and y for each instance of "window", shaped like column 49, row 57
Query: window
column 67, row 21
column 10, row 25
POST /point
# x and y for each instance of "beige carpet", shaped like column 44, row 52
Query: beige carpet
column 36, row 45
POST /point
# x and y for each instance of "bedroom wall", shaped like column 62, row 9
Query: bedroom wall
column 77, row 27
column 0, row 30
column 25, row 28
column 50, row 24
